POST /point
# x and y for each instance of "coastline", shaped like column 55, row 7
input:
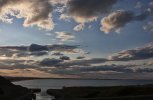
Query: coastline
column 127, row 92
column 14, row 79
column 10, row 91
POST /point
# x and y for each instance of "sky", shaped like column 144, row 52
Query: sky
column 106, row 39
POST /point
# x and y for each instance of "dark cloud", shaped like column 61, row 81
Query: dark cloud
column 36, row 50
column 40, row 53
column 82, row 67
column 26, row 54
column 142, row 16
column 134, row 54
column 89, row 9
column 60, row 48
column 94, row 69
column 14, row 48
column 17, row 64
column 50, row 62
column 8, row 51
column 23, row 51
column 144, row 70
column 65, row 58
column 36, row 47
column 80, row 57
column 63, row 48
column 117, row 68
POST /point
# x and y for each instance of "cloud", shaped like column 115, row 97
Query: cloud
column 80, row 57
column 116, row 20
column 134, row 54
column 37, row 12
column 64, row 2
column 150, row 8
column 28, row 72
column 102, row 69
column 40, row 13
column 65, row 58
column 36, row 47
column 146, row 14
column 139, row 5
column 120, row 18
column 149, row 26
column 65, row 17
column 50, row 62
column 117, row 68
column 144, row 70
column 84, row 62
column 26, row 54
column 83, row 11
column 57, row 54
column 79, row 27
column 7, row 52
column 17, row 63
column 88, row 10
column 57, row 48
column 64, row 36
column 150, row 63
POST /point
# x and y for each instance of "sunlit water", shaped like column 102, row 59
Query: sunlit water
column 45, row 84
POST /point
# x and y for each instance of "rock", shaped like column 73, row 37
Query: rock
column 9, row 91
column 1, row 92
column 35, row 90
column 57, row 93
column 4, row 81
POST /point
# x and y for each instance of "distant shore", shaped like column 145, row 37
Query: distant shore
column 13, row 79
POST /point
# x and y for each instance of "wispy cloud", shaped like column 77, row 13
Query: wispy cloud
column 64, row 36
column 134, row 54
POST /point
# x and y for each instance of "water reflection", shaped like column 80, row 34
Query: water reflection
column 43, row 96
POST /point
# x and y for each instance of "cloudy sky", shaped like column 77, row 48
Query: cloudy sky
column 77, row 38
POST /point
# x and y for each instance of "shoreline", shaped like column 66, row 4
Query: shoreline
column 126, row 92
column 14, row 79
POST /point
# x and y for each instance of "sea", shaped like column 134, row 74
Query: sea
column 45, row 84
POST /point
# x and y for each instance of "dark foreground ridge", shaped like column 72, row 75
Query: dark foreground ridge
column 9, row 91
column 143, row 92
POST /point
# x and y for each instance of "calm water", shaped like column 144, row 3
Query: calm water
column 59, row 83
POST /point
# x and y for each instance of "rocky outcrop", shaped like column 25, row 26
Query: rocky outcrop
column 9, row 91
column 1, row 92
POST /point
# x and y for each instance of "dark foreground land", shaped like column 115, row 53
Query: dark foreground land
column 9, row 91
column 143, row 92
